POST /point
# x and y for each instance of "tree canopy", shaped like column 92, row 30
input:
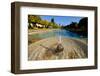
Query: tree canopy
column 37, row 19
column 80, row 28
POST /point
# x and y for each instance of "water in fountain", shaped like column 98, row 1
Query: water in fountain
column 59, row 47
column 59, row 36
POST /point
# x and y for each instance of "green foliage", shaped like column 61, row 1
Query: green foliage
column 33, row 19
column 80, row 28
column 44, row 22
column 83, row 23
column 52, row 20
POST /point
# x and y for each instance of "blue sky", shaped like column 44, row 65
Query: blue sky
column 62, row 20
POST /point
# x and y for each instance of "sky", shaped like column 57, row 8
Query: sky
column 62, row 20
